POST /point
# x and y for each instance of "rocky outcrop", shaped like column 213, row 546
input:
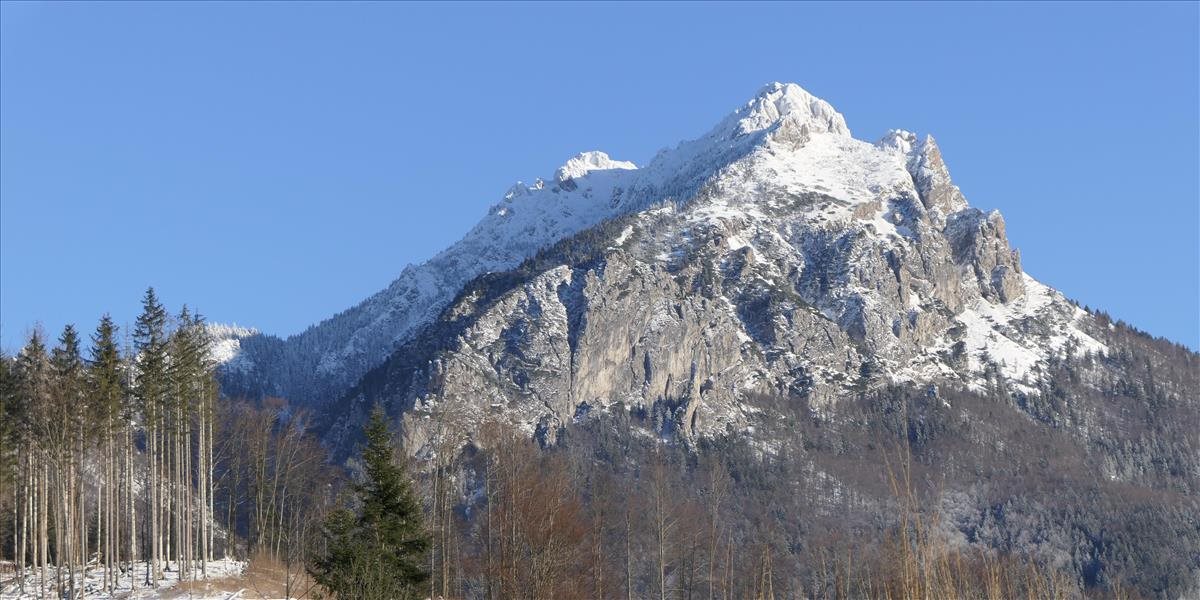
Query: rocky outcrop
column 980, row 241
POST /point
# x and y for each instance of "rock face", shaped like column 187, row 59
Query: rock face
column 775, row 255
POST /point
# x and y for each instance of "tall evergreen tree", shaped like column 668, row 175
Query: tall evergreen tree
column 150, row 387
column 68, row 363
column 33, row 385
column 68, row 437
column 104, row 376
column 377, row 551
column 106, row 387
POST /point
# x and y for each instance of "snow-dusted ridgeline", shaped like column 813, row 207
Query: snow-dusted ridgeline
column 782, row 145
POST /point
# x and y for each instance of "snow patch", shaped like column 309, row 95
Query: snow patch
column 992, row 333
column 131, row 584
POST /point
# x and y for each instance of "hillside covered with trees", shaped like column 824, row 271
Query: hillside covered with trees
column 123, row 459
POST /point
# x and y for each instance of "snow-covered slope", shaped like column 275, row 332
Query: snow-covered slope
column 874, row 238
column 775, row 255
column 329, row 356
column 314, row 365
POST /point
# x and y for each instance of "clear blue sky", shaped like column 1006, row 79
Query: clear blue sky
column 273, row 164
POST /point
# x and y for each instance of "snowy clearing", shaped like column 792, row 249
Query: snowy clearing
column 221, row 583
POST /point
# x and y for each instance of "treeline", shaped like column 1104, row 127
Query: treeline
column 108, row 457
column 123, row 459
column 604, row 515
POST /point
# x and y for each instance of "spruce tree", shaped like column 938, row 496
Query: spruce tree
column 68, row 440
column 106, row 388
column 150, row 387
column 34, row 388
column 69, row 409
column 377, row 551
column 104, row 377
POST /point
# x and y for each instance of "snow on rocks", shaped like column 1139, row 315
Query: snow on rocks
column 873, row 237
column 586, row 162
column 588, row 189
column 898, row 140
column 776, row 102
column 1015, row 338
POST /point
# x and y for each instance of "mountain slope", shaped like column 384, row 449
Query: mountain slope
column 794, row 259
column 325, row 359
column 784, row 142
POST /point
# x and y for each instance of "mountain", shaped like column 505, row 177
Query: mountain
column 778, row 187
column 775, row 254
column 312, row 367
column 797, row 305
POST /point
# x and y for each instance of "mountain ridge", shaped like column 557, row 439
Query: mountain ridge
column 382, row 320
column 826, row 262
column 314, row 366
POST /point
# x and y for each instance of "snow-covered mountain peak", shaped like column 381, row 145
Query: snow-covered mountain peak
column 781, row 175
column 898, row 140
column 777, row 102
column 585, row 162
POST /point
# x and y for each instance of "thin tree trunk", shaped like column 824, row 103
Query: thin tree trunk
column 44, row 523
column 80, row 486
column 18, row 550
column 211, row 415
column 26, row 525
column 190, row 521
column 202, row 474
column 132, row 505
column 59, row 501
column 152, row 572
column 729, row 569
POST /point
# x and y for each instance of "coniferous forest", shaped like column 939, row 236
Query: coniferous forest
column 108, row 453
column 122, row 466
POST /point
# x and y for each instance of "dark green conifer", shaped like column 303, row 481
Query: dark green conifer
column 378, row 551
column 149, row 338
column 104, row 376
column 67, row 364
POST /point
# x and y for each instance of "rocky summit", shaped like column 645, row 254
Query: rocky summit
column 776, row 254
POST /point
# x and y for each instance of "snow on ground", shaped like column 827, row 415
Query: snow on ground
column 125, row 589
column 988, row 331
column 985, row 339
column 624, row 236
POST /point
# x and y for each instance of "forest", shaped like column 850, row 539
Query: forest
column 122, row 460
